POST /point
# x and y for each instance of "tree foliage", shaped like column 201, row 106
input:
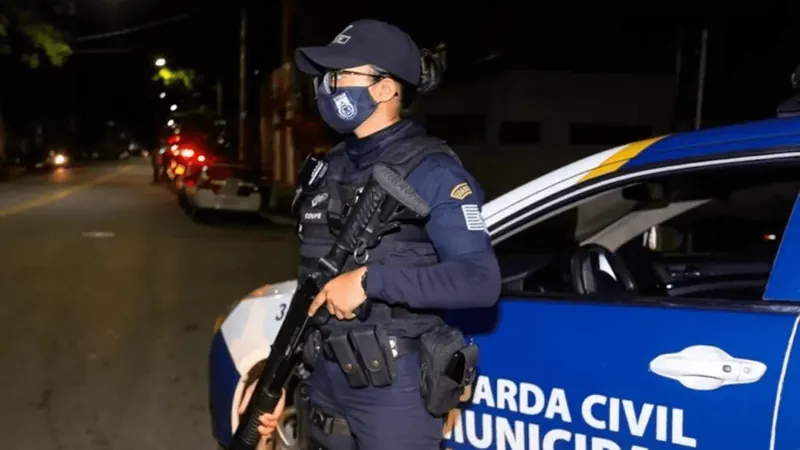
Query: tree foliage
column 27, row 33
column 173, row 76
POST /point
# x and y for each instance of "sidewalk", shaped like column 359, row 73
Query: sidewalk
column 280, row 215
column 279, row 218
column 10, row 172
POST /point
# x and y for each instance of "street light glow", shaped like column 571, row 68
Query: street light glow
column 163, row 94
column 173, row 107
column 170, row 123
column 161, row 62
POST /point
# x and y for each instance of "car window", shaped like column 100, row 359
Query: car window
column 709, row 234
column 748, row 223
column 565, row 229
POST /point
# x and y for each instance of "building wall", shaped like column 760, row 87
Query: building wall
column 514, row 126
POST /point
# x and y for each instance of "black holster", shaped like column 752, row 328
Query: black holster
column 312, row 348
column 449, row 365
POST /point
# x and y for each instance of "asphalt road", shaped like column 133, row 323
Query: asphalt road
column 108, row 295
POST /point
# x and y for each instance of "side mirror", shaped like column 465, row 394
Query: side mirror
column 662, row 238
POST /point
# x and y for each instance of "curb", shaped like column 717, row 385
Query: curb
column 278, row 219
column 9, row 173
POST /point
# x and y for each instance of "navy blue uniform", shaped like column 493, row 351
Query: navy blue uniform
column 466, row 276
column 416, row 271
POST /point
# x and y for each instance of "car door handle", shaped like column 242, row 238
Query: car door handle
column 705, row 368
column 683, row 270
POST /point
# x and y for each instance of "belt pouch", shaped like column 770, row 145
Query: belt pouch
column 373, row 355
column 347, row 360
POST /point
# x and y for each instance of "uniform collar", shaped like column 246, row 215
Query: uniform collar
column 366, row 150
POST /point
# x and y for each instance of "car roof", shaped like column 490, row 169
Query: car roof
column 761, row 136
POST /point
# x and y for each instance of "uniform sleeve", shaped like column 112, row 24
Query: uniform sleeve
column 467, row 275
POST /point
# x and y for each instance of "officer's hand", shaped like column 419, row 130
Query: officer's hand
column 268, row 422
column 342, row 295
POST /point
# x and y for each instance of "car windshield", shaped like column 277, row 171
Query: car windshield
column 748, row 207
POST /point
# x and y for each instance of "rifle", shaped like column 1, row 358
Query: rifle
column 386, row 199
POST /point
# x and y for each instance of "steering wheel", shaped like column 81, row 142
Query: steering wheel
column 596, row 270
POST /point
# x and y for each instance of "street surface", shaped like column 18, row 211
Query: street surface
column 109, row 294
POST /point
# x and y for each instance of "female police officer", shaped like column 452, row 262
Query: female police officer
column 364, row 77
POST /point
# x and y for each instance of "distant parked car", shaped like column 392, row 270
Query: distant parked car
column 46, row 160
column 227, row 188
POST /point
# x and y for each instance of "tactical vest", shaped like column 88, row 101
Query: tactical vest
column 323, row 212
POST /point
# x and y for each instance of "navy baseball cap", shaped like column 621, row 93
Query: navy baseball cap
column 365, row 42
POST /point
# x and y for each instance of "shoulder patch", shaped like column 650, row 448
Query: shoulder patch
column 472, row 217
column 461, row 191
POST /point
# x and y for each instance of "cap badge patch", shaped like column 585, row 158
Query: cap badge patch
column 342, row 38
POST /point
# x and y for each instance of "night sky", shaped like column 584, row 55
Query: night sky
column 753, row 48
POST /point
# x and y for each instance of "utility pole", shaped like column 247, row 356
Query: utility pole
column 701, row 81
column 68, row 132
column 286, row 27
column 219, row 97
column 286, row 22
column 680, row 41
column 242, row 81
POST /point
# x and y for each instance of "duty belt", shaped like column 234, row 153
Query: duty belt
column 400, row 347
column 328, row 423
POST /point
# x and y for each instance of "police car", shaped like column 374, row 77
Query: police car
column 651, row 301
column 218, row 188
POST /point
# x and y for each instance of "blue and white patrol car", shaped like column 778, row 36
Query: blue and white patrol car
column 651, row 301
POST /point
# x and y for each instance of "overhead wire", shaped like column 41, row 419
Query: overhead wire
column 136, row 29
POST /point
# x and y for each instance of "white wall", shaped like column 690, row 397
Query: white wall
column 555, row 100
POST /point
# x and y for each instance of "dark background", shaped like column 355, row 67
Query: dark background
column 753, row 48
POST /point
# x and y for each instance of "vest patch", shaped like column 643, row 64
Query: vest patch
column 461, row 191
column 319, row 199
column 315, row 217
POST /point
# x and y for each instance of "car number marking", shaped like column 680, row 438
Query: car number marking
column 282, row 312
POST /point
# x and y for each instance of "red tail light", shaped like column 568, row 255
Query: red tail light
column 187, row 153
column 174, row 139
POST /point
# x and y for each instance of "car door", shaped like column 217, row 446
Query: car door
column 594, row 373
column 556, row 373
column 784, row 287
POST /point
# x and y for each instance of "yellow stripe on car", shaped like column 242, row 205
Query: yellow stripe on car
column 618, row 159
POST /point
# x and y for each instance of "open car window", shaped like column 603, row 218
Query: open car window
column 748, row 223
column 702, row 234
column 565, row 229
